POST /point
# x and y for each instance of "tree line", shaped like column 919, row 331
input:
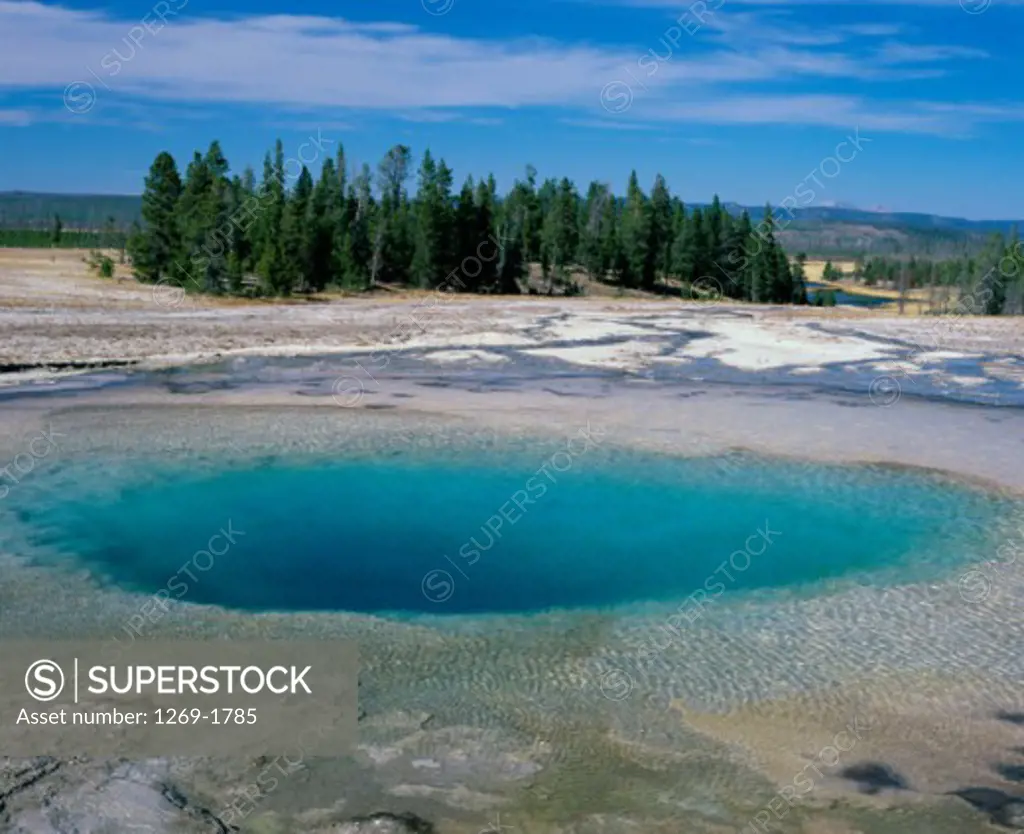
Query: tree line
column 212, row 232
column 60, row 237
column 990, row 282
column 287, row 233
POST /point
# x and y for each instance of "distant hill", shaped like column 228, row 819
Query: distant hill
column 31, row 210
column 820, row 231
column 846, row 239
column 843, row 231
column 847, row 214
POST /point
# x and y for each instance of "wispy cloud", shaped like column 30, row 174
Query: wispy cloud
column 951, row 119
column 776, row 50
column 824, row 110
column 906, row 53
column 611, row 124
column 327, row 69
column 10, row 117
column 305, row 123
column 292, row 60
column 444, row 116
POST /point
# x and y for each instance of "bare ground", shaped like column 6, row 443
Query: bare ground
column 53, row 311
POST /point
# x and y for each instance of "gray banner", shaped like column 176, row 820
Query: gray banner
column 189, row 698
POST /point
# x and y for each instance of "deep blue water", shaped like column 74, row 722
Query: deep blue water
column 414, row 536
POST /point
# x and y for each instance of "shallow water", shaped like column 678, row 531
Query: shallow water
column 843, row 297
column 476, row 533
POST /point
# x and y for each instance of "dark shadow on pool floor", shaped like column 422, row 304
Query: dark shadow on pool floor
column 874, row 777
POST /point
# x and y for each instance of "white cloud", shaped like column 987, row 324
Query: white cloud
column 308, row 61
column 324, row 68
column 905, row 53
column 839, row 111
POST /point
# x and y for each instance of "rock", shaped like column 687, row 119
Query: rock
column 1010, row 772
column 1011, row 814
column 64, row 796
column 1003, row 808
column 386, row 823
column 873, row 777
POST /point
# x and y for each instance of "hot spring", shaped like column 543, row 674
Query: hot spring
column 465, row 533
column 577, row 629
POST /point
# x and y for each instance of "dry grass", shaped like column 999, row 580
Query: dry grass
column 815, row 269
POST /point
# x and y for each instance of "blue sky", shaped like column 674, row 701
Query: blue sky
column 749, row 99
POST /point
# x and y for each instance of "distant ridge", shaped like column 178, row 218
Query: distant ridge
column 882, row 216
column 89, row 212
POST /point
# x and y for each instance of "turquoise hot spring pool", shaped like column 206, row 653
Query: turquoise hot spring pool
column 465, row 534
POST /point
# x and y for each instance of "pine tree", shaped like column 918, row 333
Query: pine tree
column 392, row 244
column 271, row 265
column 358, row 245
column 680, row 257
column 427, row 261
column 1012, row 269
column 297, row 237
column 486, row 246
column 783, row 288
column 701, row 266
column 512, row 264
column 533, row 217
column 466, row 241
column 594, row 231
column 737, row 272
column 155, row 247
column 194, row 223
column 559, row 235
column 238, row 243
column 716, row 225
column 990, row 295
column 339, row 218
column 568, row 205
column 611, row 235
column 214, row 222
column 659, row 249
column 799, row 280
column 546, row 196
column 763, row 261
column 321, row 227
column 635, row 237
